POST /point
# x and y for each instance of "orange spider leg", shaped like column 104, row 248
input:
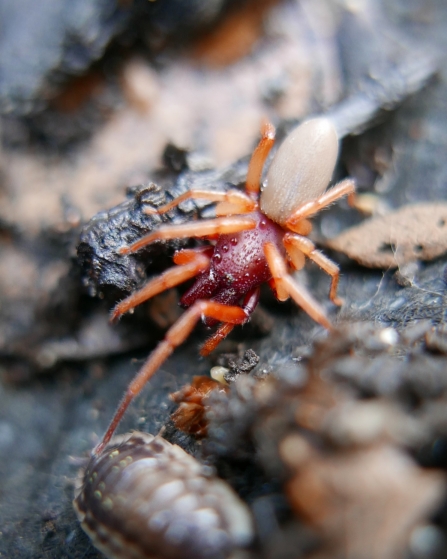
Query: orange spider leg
column 280, row 293
column 248, row 305
column 217, row 226
column 303, row 227
column 194, row 263
column 298, row 293
column 230, row 202
column 173, row 338
column 213, row 341
column 296, row 257
column 296, row 244
column 252, row 184
column 343, row 188
column 187, row 255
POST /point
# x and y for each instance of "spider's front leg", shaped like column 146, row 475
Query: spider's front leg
column 189, row 263
column 173, row 338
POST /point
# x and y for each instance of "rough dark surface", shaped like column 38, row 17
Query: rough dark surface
column 310, row 401
column 52, row 40
column 48, row 425
column 104, row 268
column 43, row 44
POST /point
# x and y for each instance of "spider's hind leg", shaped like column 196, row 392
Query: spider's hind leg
column 343, row 188
column 175, row 336
column 257, row 161
column 249, row 304
column 230, row 202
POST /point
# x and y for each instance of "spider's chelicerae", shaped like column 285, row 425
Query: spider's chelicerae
column 260, row 237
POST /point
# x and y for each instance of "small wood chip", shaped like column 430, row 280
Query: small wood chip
column 413, row 232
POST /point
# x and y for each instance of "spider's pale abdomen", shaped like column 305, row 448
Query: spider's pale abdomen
column 301, row 168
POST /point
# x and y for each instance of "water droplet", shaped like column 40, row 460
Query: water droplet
column 217, row 257
column 225, row 248
column 263, row 223
column 234, row 241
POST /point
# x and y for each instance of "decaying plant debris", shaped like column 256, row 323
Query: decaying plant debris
column 411, row 233
column 343, row 452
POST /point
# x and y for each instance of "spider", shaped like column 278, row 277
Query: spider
column 259, row 237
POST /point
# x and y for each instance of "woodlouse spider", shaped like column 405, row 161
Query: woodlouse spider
column 259, row 238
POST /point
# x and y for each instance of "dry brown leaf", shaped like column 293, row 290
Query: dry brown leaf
column 413, row 232
column 365, row 502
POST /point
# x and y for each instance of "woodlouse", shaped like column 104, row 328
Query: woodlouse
column 143, row 497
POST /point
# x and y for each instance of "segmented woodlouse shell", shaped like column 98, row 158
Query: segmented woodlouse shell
column 143, row 497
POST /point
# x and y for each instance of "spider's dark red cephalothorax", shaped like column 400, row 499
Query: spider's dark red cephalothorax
column 260, row 236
